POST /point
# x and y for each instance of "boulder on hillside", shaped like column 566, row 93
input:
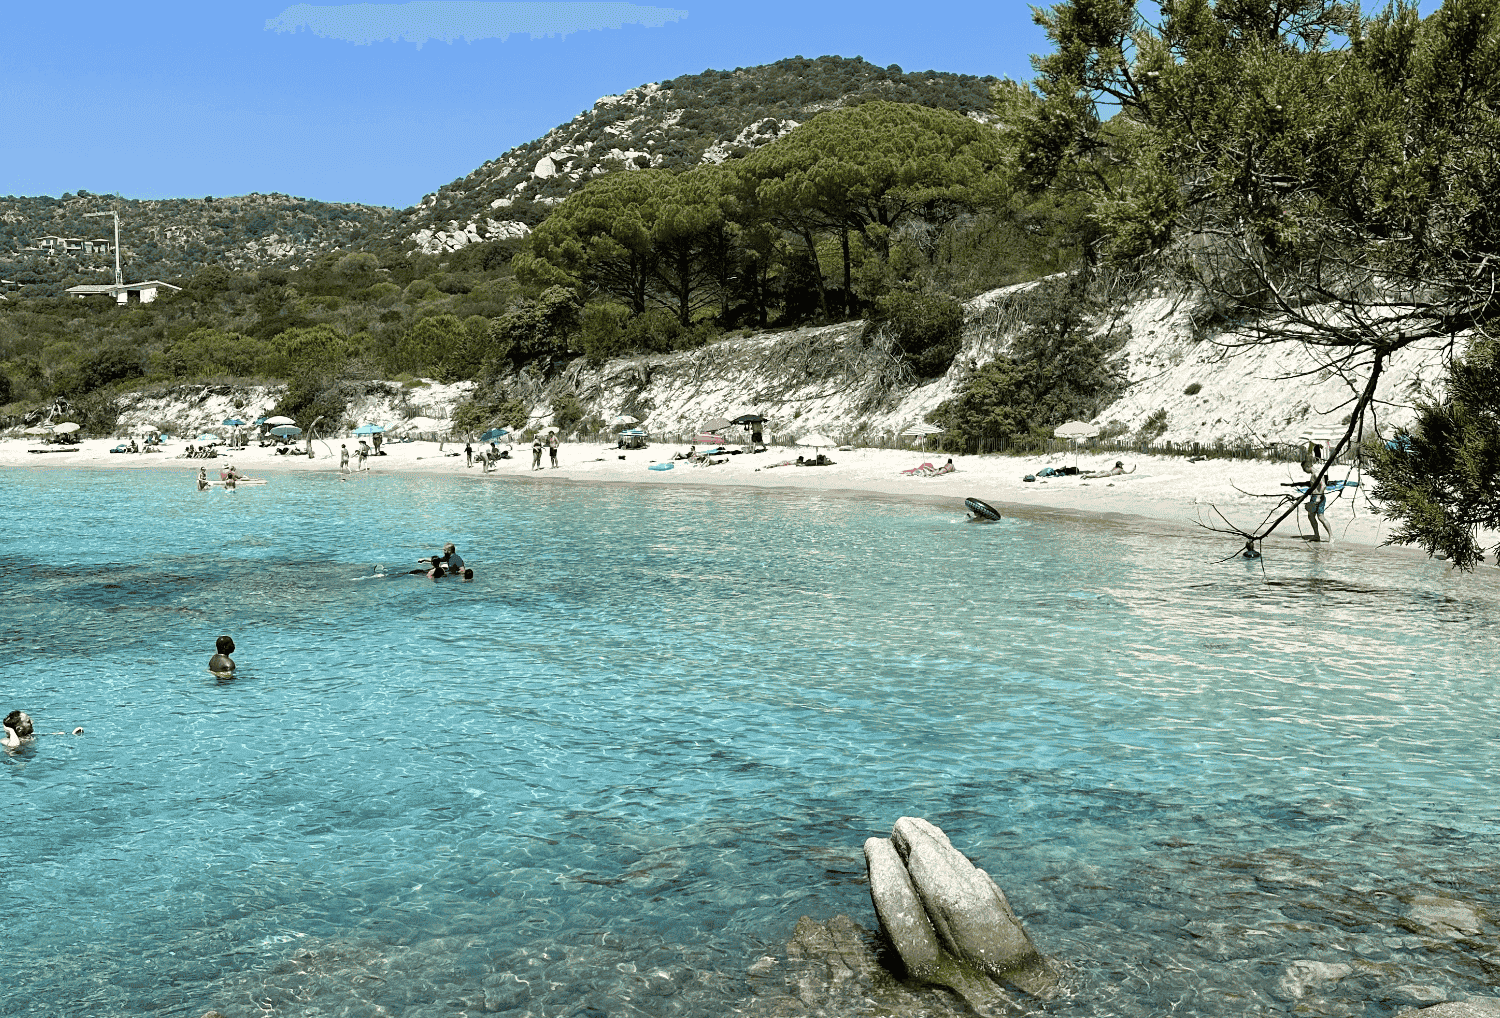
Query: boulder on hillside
column 950, row 923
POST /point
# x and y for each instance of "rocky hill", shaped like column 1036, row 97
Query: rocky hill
column 676, row 124
column 49, row 244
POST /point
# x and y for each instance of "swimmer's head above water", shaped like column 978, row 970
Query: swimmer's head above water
column 19, row 722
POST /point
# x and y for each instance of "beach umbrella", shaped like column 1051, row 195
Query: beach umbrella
column 286, row 431
column 1076, row 430
column 278, row 421
column 369, row 429
column 816, row 440
column 233, row 422
column 634, row 431
column 149, row 428
column 549, row 429
column 922, row 431
column 748, row 419
column 1326, row 437
column 493, row 433
column 626, row 419
column 717, row 423
column 65, row 428
column 207, row 436
column 708, row 439
column 36, row 431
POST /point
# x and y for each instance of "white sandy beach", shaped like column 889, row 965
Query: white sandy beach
column 1167, row 490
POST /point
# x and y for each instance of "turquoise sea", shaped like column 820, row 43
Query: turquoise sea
column 608, row 776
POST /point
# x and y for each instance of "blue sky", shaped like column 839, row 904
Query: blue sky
column 161, row 100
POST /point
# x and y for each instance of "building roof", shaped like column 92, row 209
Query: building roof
column 113, row 288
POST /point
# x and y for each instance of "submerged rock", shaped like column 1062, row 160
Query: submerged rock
column 1301, row 976
column 1480, row 1007
column 949, row 922
column 1444, row 916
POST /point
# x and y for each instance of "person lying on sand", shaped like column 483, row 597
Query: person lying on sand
column 1115, row 471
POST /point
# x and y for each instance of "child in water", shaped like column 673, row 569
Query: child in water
column 221, row 664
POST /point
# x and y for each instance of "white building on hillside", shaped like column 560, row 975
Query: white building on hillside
column 124, row 293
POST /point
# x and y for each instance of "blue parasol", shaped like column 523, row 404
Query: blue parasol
column 493, row 433
column 369, row 429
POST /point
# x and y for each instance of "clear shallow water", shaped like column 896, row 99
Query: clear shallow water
column 608, row 776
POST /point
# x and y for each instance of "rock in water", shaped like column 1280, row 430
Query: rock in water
column 900, row 911
column 948, row 920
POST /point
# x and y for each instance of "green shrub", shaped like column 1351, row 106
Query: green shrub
column 926, row 331
column 1192, row 390
column 1155, row 426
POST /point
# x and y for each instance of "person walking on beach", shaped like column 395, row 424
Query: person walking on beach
column 536, row 453
column 344, row 459
column 364, row 451
column 468, row 455
column 1317, row 496
column 552, row 447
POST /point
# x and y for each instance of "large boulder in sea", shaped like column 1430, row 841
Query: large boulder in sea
column 949, row 922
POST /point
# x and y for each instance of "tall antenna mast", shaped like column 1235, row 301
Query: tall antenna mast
column 119, row 279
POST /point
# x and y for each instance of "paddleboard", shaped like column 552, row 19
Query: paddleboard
column 982, row 509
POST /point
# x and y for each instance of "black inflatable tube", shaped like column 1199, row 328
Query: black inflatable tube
column 982, row 509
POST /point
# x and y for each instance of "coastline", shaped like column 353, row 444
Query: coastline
column 1165, row 490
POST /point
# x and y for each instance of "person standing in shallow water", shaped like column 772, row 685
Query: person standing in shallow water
column 1317, row 497
column 221, row 664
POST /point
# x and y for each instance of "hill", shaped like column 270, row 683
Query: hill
column 170, row 239
column 673, row 124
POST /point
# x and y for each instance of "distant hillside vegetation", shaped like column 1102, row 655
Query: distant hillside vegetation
column 172, row 239
column 674, row 124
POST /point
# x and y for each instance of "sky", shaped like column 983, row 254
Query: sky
column 383, row 103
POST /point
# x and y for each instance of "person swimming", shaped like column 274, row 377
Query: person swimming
column 18, row 728
column 221, row 664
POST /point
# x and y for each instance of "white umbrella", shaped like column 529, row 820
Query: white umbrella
column 922, row 431
column 149, row 428
column 65, row 428
column 1076, row 430
column 549, row 429
column 275, row 421
column 626, row 419
column 36, row 431
column 816, row 440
